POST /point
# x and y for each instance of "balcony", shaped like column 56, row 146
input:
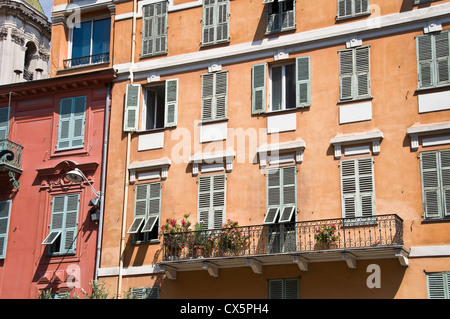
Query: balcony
column 87, row 60
column 10, row 160
column 276, row 244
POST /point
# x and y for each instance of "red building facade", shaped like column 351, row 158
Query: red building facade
column 48, row 238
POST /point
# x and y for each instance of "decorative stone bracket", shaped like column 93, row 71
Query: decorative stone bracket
column 374, row 138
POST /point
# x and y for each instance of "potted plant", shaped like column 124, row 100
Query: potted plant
column 197, row 241
column 174, row 236
column 326, row 236
column 231, row 239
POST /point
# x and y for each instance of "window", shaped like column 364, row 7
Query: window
column 280, row 15
column 145, row 293
column 211, row 200
column 283, row 288
column 354, row 73
column 215, row 21
column 90, row 43
column 159, row 109
column 289, row 86
column 438, row 285
column 433, row 59
column 352, row 8
column 154, row 28
column 147, row 212
column 357, row 188
column 63, row 227
column 422, row 1
column 4, row 123
column 71, row 123
column 435, row 171
column 214, row 96
column 5, row 210
column 281, row 209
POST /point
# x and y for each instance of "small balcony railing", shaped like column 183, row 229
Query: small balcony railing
column 299, row 237
column 87, row 60
column 11, row 150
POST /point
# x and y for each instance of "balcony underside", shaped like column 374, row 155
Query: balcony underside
column 256, row 262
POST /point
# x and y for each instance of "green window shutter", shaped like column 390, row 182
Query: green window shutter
column 214, row 96
column 357, row 188
column 154, row 206
column 215, row 26
column 141, row 204
column 344, row 8
column 361, row 6
column 146, row 293
column 442, row 48
column 425, row 62
column 362, row 58
column 303, row 85
column 154, row 28
column 274, row 188
column 131, row 113
column 171, row 106
column 5, row 212
column 259, row 88
column 281, row 194
column 4, row 122
column 211, row 200
column 71, row 122
column 438, row 285
column 283, row 288
column 445, row 177
column 351, row 8
column 346, row 74
column 64, row 224
column 431, row 194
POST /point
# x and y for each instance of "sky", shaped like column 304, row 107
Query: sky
column 47, row 6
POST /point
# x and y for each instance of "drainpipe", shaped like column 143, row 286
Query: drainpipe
column 127, row 179
column 103, row 181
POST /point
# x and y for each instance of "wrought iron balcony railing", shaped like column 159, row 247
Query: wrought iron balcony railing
column 12, row 154
column 86, row 60
column 304, row 236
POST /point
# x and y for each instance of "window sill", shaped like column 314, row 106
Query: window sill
column 150, row 55
column 206, row 45
column 70, row 151
column 281, row 30
column 442, row 87
column 202, row 122
column 358, row 99
column 154, row 130
column 277, row 112
column 436, row 220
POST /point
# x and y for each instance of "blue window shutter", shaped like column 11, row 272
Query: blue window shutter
column 171, row 106
column 259, row 88
column 5, row 212
column 4, row 122
column 71, row 123
column 131, row 112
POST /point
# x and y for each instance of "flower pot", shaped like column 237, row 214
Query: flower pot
column 326, row 245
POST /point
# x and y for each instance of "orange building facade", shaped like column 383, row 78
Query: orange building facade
column 323, row 129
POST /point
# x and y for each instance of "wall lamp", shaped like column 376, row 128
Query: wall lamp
column 77, row 176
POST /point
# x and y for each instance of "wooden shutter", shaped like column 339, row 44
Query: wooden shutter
column 303, row 85
column 431, row 195
column 71, row 223
column 131, row 113
column 445, row 178
column 438, row 285
column 222, row 20
column 291, row 288
column 153, row 206
column 344, row 8
column 425, row 73
column 283, row 288
column 71, row 122
column 5, row 210
column 442, row 48
column 209, row 21
column 362, row 58
column 4, row 122
column 211, row 200
column 357, row 188
column 146, row 292
column 346, row 74
column 259, row 88
column 276, row 289
column 57, row 220
column 154, row 28
column 140, row 208
column 281, row 194
column 214, row 95
column 171, row 103
column 361, row 6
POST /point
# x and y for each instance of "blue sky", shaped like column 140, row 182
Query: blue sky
column 47, row 6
